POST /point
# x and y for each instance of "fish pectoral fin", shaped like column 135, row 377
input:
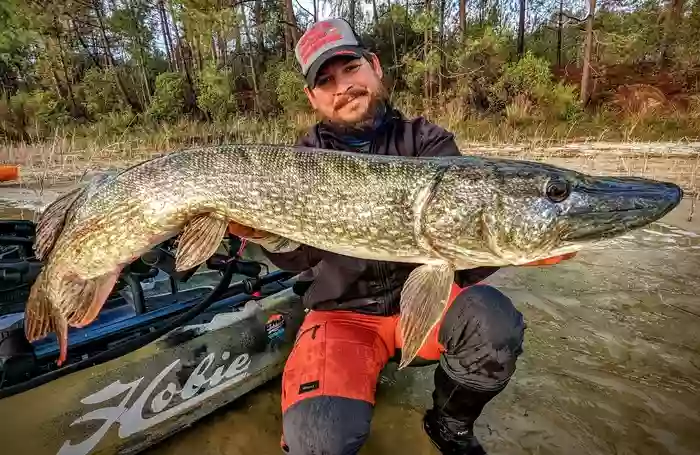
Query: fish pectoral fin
column 50, row 223
column 200, row 239
column 423, row 300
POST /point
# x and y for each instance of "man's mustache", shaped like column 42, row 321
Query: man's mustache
column 349, row 95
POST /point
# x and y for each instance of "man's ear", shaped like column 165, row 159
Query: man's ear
column 376, row 65
column 310, row 96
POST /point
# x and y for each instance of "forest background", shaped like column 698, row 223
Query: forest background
column 165, row 73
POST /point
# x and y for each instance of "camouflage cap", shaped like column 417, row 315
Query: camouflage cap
column 323, row 41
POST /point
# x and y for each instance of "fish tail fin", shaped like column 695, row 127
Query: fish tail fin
column 52, row 220
column 41, row 317
column 78, row 304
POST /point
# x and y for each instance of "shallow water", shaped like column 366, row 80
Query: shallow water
column 611, row 364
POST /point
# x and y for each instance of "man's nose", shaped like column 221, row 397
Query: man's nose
column 342, row 84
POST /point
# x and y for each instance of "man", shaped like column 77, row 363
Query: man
column 350, row 333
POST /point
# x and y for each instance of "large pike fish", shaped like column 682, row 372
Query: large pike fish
column 445, row 214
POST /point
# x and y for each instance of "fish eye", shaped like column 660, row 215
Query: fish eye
column 558, row 190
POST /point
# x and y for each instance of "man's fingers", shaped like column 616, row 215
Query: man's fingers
column 551, row 261
column 242, row 231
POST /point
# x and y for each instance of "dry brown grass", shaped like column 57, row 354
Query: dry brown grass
column 588, row 145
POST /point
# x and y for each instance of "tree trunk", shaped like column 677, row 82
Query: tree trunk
column 179, row 57
column 406, row 26
column 110, row 58
column 560, row 31
column 521, row 31
column 672, row 18
column 462, row 18
column 214, row 50
column 253, row 74
column 585, row 77
column 352, row 13
column 76, row 110
column 441, row 40
column 84, row 45
column 288, row 48
column 169, row 49
column 426, row 40
column 200, row 53
column 260, row 38
column 146, row 82
column 291, row 23
column 221, row 36
column 393, row 41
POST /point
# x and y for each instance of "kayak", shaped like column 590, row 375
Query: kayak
column 9, row 172
column 167, row 349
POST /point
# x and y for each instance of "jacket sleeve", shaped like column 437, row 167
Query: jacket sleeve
column 299, row 260
column 464, row 278
column 435, row 140
column 305, row 256
column 308, row 139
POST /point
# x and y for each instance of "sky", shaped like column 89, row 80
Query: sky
column 324, row 8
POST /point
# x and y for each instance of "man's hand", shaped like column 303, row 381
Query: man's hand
column 271, row 242
column 550, row 261
column 242, row 231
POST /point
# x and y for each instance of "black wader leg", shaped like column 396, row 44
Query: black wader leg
column 483, row 334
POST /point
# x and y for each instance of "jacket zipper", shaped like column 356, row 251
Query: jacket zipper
column 384, row 282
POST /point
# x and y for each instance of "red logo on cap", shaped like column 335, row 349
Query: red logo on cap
column 345, row 53
column 317, row 37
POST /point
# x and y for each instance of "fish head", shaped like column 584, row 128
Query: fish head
column 502, row 212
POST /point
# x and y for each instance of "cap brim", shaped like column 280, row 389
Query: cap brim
column 341, row 51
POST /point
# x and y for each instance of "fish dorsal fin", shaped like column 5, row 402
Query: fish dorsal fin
column 52, row 220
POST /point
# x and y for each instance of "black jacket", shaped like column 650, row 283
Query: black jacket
column 332, row 281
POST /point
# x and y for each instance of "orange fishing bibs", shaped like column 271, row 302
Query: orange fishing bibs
column 341, row 353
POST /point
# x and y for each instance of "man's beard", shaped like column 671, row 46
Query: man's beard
column 375, row 107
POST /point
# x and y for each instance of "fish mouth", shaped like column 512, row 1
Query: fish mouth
column 606, row 207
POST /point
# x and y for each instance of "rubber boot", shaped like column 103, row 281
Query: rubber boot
column 450, row 423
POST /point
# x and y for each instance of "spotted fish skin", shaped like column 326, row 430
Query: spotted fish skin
column 443, row 213
column 338, row 201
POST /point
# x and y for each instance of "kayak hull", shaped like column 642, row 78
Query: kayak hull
column 132, row 402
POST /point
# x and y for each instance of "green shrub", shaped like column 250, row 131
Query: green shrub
column 290, row 90
column 282, row 86
column 32, row 114
column 216, row 96
column 168, row 102
column 100, row 92
column 531, row 77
